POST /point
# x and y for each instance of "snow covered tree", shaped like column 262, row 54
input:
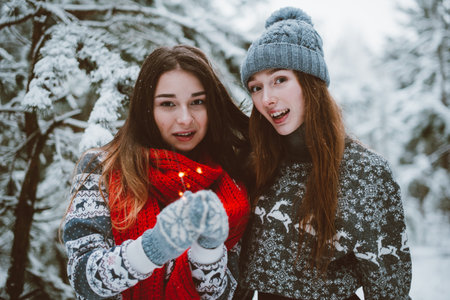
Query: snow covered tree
column 360, row 89
column 419, row 60
column 66, row 71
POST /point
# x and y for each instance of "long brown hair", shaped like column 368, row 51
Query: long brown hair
column 325, row 138
column 226, row 141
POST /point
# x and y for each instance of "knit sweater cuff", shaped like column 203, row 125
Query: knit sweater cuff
column 200, row 255
column 138, row 259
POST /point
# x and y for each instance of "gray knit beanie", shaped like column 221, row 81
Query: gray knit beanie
column 289, row 42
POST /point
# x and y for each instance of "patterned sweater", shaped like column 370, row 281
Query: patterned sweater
column 98, row 268
column 371, row 241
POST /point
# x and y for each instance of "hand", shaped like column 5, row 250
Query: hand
column 178, row 225
column 216, row 227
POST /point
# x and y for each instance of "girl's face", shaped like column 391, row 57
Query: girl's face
column 277, row 95
column 179, row 109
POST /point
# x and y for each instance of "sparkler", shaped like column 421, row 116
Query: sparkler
column 182, row 174
column 186, row 185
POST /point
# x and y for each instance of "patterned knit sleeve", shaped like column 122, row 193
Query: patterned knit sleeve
column 97, row 268
column 217, row 280
column 384, row 260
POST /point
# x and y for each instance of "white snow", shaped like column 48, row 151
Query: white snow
column 94, row 136
column 431, row 273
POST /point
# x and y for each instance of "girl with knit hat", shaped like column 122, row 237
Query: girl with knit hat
column 157, row 212
column 327, row 215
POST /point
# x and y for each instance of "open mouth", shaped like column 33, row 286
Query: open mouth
column 184, row 134
column 279, row 114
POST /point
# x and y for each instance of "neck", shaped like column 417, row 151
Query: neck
column 295, row 146
column 196, row 154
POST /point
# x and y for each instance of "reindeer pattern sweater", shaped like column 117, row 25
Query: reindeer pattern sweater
column 99, row 269
column 371, row 240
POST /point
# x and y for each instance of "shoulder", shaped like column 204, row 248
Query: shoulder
column 362, row 159
column 364, row 169
column 367, row 180
column 90, row 162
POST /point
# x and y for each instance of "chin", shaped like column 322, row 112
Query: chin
column 285, row 132
column 186, row 148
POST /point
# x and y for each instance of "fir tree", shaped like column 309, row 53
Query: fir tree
column 420, row 64
column 66, row 72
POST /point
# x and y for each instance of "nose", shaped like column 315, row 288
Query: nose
column 184, row 116
column 268, row 97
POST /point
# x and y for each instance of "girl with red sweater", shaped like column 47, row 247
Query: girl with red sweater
column 157, row 213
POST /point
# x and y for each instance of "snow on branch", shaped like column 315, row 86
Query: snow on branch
column 95, row 135
column 77, row 9
column 15, row 21
column 57, row 11
column 102, row 8
column 16, row 12
column 5, row 55
column 106, row 109
column 39, row 8
column 64, row 57
column 57, row 65
column 109, row 73
column 204, row 28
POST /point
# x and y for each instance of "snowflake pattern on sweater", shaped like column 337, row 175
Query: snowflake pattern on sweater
column 371, row 241
column 98, row 268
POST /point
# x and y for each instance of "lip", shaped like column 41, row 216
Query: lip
column 184, row 136
column 279, row 120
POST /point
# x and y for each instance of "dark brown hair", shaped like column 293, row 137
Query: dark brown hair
column 226, row 140
column 325, row 138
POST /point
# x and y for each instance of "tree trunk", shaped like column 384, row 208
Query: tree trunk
column 25, row 207
column 24, row 216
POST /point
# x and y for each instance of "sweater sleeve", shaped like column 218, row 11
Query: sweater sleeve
column 381, row 248
column 97, row 268
column 216, row 280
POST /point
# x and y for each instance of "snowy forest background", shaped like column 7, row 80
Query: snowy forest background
column 67, row 67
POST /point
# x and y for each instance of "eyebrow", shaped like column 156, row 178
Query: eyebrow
column 270, row 72
column 275, row 70
column 173, row 95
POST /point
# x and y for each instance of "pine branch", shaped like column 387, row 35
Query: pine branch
column 12, row 109
column 78, row 10
column 16, row 21
column 112, row 9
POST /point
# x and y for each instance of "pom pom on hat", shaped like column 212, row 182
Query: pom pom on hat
column 289, row 42
column 288, row 13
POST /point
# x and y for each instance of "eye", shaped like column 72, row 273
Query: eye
column 280, row 80
column 254, row 88
column 167, row 104
column 198, row 102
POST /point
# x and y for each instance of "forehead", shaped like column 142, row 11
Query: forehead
column 267, row 72
column 175, row 79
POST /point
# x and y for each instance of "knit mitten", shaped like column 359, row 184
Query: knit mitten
column 216, row 229
column 178, row 225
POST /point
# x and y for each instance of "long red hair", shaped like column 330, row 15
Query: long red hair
column 325, row 138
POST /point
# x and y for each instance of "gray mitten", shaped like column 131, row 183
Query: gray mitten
column 216, row 227
column 178, row 225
